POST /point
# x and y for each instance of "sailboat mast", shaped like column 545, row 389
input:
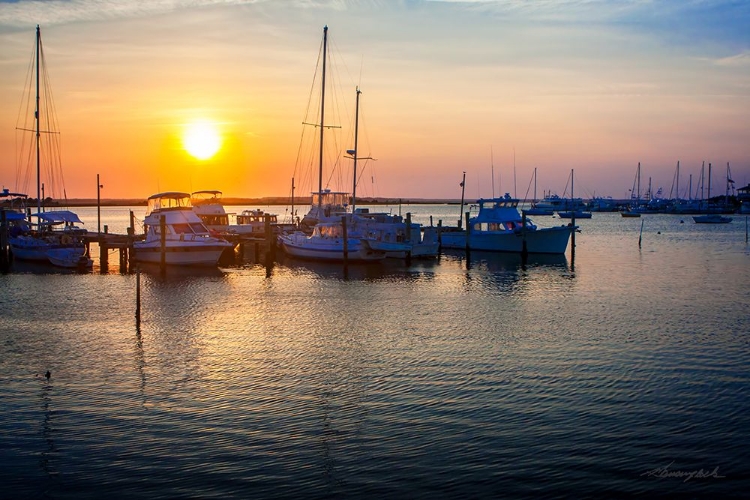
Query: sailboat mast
column 639, row 184
column 36, row 119
column 322, row 114
column 535, row 185
column 356, row 136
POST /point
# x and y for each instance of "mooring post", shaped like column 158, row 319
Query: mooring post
column 573, row 235
column 524, row 246
column 440, row 233
column 346, row 241
column 103, row 253
column 468, row 233
column 640, row 236
column 4, row 246
column 270, row 254
column 408, row 238
column 163, row 236
column 137, row 294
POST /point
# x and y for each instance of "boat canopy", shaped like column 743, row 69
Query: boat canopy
column 169, row 201
column 12, row 215
column 207, row 196
column 58, row 217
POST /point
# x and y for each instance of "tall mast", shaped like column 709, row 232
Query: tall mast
column 36, row 119
column 355, row 153
column 534, row 184
column 639, row 183
column 678, row 179
column 322, row 114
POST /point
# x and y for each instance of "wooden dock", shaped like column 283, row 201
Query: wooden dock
column 261, row 248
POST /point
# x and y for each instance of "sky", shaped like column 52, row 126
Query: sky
column 496, row 89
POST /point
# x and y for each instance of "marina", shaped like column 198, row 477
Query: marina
column 311, row 336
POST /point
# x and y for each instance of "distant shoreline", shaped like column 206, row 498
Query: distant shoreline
column 272, row 201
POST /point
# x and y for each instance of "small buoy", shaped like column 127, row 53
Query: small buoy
column 658, row 232
column 47, row 375
column 682, row 222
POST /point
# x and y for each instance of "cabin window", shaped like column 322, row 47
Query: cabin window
column 198, row 228
column 181, row 228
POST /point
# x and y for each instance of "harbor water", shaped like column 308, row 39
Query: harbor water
column 622, row 371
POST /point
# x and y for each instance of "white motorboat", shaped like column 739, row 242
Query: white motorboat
column 186, row 240
column 499, row 227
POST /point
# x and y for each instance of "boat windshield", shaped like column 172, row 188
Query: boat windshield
column 189, row 228
column 168, row 201
column 330, row 198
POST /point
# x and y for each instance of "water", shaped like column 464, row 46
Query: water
column 614, row 374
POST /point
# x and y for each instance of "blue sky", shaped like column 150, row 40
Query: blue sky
column 591, row 85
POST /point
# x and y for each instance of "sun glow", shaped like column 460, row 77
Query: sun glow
column 201, row 139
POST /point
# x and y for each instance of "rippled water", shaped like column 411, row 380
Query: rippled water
column 585, row 377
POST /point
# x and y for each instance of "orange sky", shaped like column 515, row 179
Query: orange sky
column 447, row 87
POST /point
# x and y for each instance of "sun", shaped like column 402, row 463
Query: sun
column 201, row 139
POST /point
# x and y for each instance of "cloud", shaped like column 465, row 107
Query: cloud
column 24, row 13
column 737, row 60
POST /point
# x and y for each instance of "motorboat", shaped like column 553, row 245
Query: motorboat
column 499, row 227
column 186, row 240
column 208, row 206
column 327, row 242
column 712, row 219
column 578, row 214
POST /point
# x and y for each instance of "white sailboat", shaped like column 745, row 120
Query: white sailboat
column 52, row 236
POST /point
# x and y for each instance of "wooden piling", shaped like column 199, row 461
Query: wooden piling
column 138, row 294
column 408, row 237
column 103, row 254
column 346, row 241
column 4, row 242
column 468, row 232
column 163, row 235
column 573, row 235
column 524, row 246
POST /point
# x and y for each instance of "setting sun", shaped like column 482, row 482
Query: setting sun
column 201, row 139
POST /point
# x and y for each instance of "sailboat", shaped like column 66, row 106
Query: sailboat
column 329, row 239
column 574, row 211
column 54, row 237
column 712, row 214
column 536, row 207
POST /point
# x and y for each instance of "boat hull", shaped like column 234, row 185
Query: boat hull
column 70, row 257
column 553, row 240
column 300, row 246
column 182, row 254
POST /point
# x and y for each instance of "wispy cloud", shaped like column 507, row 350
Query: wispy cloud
column 23, row 13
